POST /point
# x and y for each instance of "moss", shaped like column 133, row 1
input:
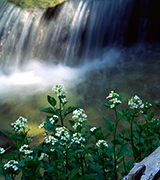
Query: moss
column 32, row 4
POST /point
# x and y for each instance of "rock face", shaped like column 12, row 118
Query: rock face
column 147, row 169
column 143, row 23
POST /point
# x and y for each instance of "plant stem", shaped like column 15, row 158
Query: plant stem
column 124, row 165
column 140, row 151
column 17, row 148
column 56, row 174
column 60, row 113
column 0, row 159
column 103, row 165
column 66, row 163
column 114, row 144
column 132, row 143
column 12, row 176
column 82, row 164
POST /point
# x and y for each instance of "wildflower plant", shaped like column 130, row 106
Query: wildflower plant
column 82, row 151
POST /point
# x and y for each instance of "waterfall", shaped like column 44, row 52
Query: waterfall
column 78, row 32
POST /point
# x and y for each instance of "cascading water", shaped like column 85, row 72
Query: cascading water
column 90, row 46
column 81, row 29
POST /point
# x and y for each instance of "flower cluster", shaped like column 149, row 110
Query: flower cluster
column 25, row 150
column 53, row 119
column 113, row 99
column 43, row 155
column 2, row 150
column 63, row 134
column 59, row 89
column 92, row 129
column 42, row 125
column 135, row 103
column 102, row 143
column 11, row 164
column 147, row 105
column 80, row 116
column 50, row 140
column 20, row 125
column 76, row 125
column 77, row 138
column 63, row 99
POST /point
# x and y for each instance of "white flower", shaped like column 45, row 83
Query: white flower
column 113, row 99
column 76, row 125
column 43, row 155
column 59, row 89
column 20, row 125
column 41, row 125
column 135, row 102
column 79, row 114
column 50, row 140
column 92, row 129
column 26, row 151
column 77, row 138
column 101, row 143
column 147, row 105
column 64, row 100
column 63, row 134
column 112, row 94
column 53, row 119
column 2, row 150
column 11, row 164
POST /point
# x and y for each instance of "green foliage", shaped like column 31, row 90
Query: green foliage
column 81, row 152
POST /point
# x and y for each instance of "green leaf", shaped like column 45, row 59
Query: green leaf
column 7, row 156
column 120, row 97
column 158, row 105
column 48, row 110
column 107, row 135
column 123, row 149
column 8, row 148
column 69, row 110
column 51, row 100
column 72, row 123
column 88, row 126
column 75, row 152
column 45, row 164
column 75, row 171
column 1, row 172
column 13, row 136
column 88, row 176
column 123, row 131
column 109, row 124
column 147, row 117
column 135, row 152
column 152, row 115
column 116, row 142
column 100, row 176
column 107, row 105
column 9, row 134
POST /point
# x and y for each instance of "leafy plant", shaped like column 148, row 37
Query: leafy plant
column 82, row 151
